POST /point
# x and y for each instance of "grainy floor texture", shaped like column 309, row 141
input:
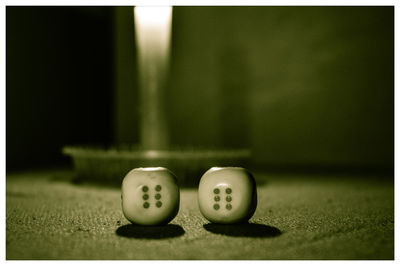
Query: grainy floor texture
column 298, row 217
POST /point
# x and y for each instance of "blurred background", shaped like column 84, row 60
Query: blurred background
column 305, row 88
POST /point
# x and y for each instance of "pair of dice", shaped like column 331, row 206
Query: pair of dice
column 150, row 196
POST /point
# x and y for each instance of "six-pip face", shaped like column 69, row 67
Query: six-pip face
column 150, row 196
column 227, row 195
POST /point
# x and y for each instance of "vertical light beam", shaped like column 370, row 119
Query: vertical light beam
column 153, row 37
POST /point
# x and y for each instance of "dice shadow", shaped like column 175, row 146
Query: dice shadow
column 150, row 232
column 243, row 230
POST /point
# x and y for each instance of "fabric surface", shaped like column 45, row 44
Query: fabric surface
column 298, row 217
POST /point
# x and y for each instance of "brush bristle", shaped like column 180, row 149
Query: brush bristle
column 111, row 165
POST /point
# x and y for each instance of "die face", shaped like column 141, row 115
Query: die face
column 150, row 196
column 227, row 195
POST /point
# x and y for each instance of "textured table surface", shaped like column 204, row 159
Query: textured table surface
column 298, row 217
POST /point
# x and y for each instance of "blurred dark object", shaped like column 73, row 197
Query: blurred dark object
column 59, row 82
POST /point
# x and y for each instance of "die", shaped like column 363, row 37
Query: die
column 150, row 196
column 227, row 195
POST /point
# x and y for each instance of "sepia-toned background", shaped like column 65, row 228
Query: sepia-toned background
column 299, row 86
